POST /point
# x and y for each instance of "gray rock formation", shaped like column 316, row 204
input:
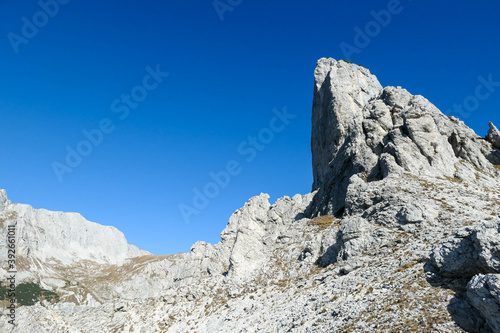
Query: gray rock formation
column 358, row 127
column 400, row 233
column 493, row 136
column 470, row 251
column 341, row 91
column 49, row 243
column 483, row 292
column 469, row 254
column 65, row 237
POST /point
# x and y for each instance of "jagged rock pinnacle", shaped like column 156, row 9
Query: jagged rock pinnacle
column 359, row 127
column 494, row 136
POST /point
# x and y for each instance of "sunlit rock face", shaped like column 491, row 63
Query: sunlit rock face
column 360, row 127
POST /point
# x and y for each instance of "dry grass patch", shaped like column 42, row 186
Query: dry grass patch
column 407, row 266
column 6, row 217
column 324, row 222
column 414, row 306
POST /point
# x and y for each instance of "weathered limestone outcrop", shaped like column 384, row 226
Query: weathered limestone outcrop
column 474, row 253
column 493, row 136
column 49, row 243
column 483, row 292
column 358, row 127
column 66, row 237
column 470, row 251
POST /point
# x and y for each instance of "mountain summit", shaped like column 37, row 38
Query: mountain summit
column 360, row 127
column 400, row 233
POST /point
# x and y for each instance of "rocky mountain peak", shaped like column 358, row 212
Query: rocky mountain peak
column 62, row 238
column 358, row 127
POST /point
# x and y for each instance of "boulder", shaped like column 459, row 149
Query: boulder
column 483, row 292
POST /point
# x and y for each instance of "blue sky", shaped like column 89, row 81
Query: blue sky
column 225, row 78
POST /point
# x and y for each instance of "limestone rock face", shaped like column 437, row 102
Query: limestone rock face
column 68, row 237
column 253, row 230
column 473, row 254
column 470, row 251
column 401, row 233
column 246, row 230
column 483, row 292
column 341, row 92
column 358, row 127
column 48, row 243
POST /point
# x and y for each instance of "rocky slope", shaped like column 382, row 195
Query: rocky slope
column 400, row 233
column 49, row 244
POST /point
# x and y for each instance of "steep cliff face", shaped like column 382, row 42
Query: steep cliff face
column 341, row 92
column 400, row 233
column 68, row 237
column 49, row 243
column 359, row 127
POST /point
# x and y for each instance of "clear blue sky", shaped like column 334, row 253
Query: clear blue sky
column 225, row 78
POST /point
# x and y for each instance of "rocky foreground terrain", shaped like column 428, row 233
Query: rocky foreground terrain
column 400, row 234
